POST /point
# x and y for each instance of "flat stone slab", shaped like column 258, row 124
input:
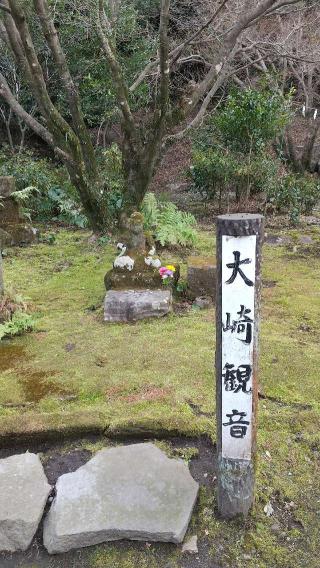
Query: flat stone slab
column 129, row 492
column 23, row 494
column 134, row 305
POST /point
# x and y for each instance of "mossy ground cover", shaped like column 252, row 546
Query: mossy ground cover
column 74, row 371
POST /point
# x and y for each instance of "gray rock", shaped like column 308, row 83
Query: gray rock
column 191, row 545
column 23, row 494
column 312, row 220
column 203, row 302
column 134, row 492
column 133, row 305
column 305, row 240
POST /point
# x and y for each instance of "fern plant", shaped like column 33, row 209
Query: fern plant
column 18, row 324
column 13, row 315
column 169, row 225
column 22, row 197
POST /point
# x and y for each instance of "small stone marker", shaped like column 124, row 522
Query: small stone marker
column 134, row 492
column 201, row 276
column 239, row 243
column 23, row 494
column 11, row 219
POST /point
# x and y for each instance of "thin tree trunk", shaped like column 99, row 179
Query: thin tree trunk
column 307, row 155
column 292, row 153
column 1, row 275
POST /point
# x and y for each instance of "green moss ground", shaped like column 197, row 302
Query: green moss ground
column 74, row 371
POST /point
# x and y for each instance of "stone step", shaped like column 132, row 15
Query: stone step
column 23, row 495
column 128, row 492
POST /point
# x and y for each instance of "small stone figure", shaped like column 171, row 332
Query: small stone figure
column 137, row 239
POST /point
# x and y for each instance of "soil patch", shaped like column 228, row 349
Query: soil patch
column 36, row 385
column 10, row 355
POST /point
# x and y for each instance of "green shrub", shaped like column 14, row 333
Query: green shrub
column 77, row 33
column 14, row 317
column 219, row 171
column 230, row 151
column 169, row 225
column 296, row 194
column 251, row 118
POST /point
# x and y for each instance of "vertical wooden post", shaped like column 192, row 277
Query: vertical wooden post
column 239, row 244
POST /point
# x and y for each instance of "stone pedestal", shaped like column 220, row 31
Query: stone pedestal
column 201, row 276
column 134, row 305
column 11, row 219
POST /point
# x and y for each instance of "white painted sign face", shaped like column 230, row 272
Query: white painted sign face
column 238, row 290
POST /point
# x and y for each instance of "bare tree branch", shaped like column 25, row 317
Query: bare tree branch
column 5, row 8
column 103, row 29
column 10, row 99
column 177, row 51
column 161, row 112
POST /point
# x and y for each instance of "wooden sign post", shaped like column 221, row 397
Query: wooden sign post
column 239, row 243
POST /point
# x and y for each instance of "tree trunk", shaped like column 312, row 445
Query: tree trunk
column 1, row 275
column 307, row 155
column 88, row 190
column 292, row 153
column 138, row 172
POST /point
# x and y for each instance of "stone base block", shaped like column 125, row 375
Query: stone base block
column 201, row 276
column 133, row 305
